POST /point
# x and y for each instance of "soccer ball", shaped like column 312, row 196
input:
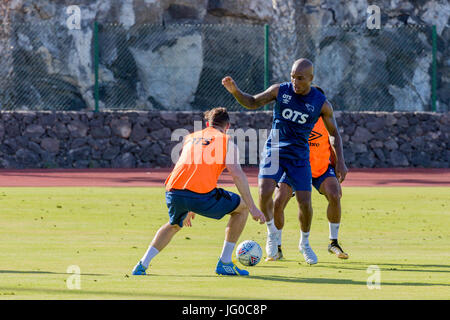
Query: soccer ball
column 249, row 253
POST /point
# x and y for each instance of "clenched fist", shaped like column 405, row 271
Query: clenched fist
column 229, row 84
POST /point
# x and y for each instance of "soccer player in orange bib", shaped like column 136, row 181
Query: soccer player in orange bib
column 192, row 188
column 322, row 159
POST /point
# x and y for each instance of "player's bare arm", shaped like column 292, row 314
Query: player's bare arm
column 241, row 182
column 333, row 156
column 331, row 125
column 250, row 101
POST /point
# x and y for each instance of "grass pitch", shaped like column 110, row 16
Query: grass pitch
column 104, row 231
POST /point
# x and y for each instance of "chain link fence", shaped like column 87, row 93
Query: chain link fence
column 362, row 69
column 44, row 70
column 180, row 67
column 177, row 67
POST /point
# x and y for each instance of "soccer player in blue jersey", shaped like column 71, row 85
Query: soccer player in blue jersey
column 298, row 107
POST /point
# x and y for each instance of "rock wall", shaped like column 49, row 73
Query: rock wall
column 53, row 65
column 31, row 139
column 387, row 69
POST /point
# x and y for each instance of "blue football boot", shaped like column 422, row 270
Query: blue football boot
column 229, row 269
column 139, row 270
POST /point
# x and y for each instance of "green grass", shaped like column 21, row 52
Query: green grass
column 105, row 231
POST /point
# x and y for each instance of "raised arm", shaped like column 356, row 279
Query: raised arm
column 331, row 125
column 241, row 182
column 248, row 101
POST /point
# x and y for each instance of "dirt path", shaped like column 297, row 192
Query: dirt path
column 155, row 177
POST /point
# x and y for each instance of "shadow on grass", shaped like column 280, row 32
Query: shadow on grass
column 306, row 280
column 341, row 281
column 108, row 294
column 427, row 268
column 47, row 272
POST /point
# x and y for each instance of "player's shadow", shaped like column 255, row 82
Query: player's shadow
column 427, row 268
column 152, row 293
column 47, row 272
column 341, row 281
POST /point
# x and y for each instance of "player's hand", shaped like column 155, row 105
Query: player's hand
column 341, row 171
column 257, row 215
column 187, row 221
column 229, row 84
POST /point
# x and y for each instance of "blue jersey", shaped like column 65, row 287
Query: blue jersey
column 294, row 116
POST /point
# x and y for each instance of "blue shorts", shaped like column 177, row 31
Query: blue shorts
column 299, row 172
column 317, row 182
column 214, row 204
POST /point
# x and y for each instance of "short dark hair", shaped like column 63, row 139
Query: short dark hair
column 217, row 116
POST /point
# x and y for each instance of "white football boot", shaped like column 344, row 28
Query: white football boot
column 308, row 254
column 272, row 246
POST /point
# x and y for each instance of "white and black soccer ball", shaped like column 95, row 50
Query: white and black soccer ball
column 249, row 253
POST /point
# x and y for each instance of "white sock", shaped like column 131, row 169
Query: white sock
column 227, row 251
column 271, row 227
column 279, row 236
column 334, row 230
column 149, row 255
column 304, row 238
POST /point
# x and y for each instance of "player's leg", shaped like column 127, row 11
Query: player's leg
column 233, row 231
column 177, row 212
column 270, row 172
column 215, row 205
column 305, row 212
column 233, row 205
column 162, row 238
column 281, row 198
column 331, row 189
column 305, row 215
column 266, row 189
column 283, row 194
column 300, row 178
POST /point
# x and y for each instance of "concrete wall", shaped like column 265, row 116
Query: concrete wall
column 143, row 139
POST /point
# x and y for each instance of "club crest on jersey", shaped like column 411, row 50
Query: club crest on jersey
column 310, row 107
column 286, row 98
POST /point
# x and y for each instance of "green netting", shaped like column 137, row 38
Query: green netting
column 180, row 67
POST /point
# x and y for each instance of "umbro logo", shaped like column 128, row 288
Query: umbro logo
column 314, row 135
column 228, row 269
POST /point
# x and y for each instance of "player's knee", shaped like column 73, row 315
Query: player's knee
column 241, row 214
column 244, row 214
column 265, row 191
column 242, row 209
column 304, row 203
column 265, row 194
column 334, row 196
column 173, row 227
column 278, row 205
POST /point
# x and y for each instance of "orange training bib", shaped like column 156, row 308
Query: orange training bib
column 201, row 162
